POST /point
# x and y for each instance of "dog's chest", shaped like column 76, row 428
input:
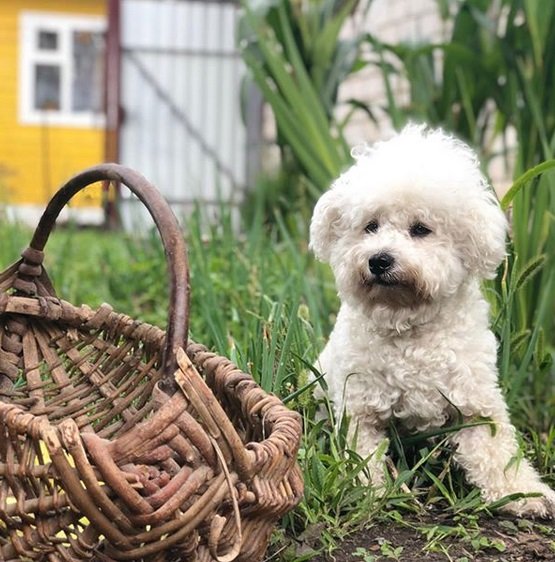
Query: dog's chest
column 405, row 377
column 404, row 361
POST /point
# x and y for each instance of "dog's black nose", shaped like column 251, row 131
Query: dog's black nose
column 380, row 263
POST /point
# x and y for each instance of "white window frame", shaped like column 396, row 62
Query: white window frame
column 30, row 22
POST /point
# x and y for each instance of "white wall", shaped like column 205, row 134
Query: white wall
column 412, row 21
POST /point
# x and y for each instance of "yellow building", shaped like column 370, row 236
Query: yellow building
column 51, row 101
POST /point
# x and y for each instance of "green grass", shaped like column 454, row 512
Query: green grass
column 261, row 299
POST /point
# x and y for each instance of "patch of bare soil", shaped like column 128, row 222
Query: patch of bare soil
column 499, row 540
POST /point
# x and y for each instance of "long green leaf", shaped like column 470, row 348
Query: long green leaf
column 525, row 179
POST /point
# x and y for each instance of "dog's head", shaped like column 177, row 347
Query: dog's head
column 409, row 222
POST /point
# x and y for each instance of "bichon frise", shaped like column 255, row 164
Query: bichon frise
column 409, row 231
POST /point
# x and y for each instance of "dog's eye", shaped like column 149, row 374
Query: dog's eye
column 372, row 226
column 419, row 230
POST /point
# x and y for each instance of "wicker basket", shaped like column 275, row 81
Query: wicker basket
column 112, row 445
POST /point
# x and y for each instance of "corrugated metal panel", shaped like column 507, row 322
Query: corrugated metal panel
column 181, row 76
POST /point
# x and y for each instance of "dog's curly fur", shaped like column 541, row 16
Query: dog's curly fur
column 409, row 231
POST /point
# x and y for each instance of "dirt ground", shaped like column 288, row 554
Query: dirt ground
column 499, row 540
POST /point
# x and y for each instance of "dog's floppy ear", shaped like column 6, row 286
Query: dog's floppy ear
column 326, row 223
column 486, row 229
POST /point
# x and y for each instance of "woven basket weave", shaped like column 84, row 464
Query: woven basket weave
column 115, row 443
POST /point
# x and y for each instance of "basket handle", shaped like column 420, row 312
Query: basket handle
column 172, row 240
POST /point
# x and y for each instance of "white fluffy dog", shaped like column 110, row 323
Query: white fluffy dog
column 409, row 231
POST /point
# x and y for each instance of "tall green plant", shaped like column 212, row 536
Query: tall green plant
column 530, row 108
column 296, row 57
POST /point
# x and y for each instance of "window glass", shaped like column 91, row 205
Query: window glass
column 47, row 86
column 48, row 40
column 88, row 70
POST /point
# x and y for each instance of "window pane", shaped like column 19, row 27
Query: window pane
column 47, row 86
column 88, row 71
column 48, row 40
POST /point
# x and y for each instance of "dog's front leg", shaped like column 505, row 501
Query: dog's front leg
column 369, row 441
column 491, row 457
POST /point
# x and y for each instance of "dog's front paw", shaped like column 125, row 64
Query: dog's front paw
column 374, row 474
column 541, row 507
